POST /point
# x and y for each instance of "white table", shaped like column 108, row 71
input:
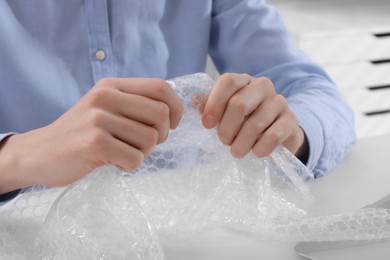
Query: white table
column 361, row 179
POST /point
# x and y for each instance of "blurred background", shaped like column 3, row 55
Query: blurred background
column 351, row 40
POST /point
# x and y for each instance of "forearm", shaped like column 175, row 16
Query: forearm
column 96, row 131
column 4, row 171
column 327, row 120
column 7, row 191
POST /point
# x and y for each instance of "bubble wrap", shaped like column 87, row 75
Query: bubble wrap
column 189, row 184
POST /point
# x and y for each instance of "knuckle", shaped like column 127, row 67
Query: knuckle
column 236, row 152
column 228, row 75
column 104, row 82
column 134, row 159
column 162, row 138
column 291, row 117
column 260, row 151
column 151, row 138
column 228, row 79
column 265, row 84
column 137, row 159
column 162, row 111
column 245, row 75
column 272, row 138
column 239, row 105
column 295, row 119
column 255, row 126
column 97, row 118
column 265, row 81
column 280, row 101
column 99, row 96
column 97, row 141
column 160, row 86
column 224, row 137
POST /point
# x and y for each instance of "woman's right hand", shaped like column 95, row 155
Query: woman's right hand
column 119, row 121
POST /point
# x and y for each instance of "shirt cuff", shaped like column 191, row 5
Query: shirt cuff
column 10, row 195
column 3, row 136
column 312, row 127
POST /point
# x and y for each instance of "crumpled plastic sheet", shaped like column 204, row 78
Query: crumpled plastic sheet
column 188, row 185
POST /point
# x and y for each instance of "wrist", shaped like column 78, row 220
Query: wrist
column 5, row 171
column 11, row 170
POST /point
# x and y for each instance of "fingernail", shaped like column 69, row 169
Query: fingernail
column 209, row 122
column 235, row 155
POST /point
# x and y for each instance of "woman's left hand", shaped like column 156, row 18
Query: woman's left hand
column 249, row 115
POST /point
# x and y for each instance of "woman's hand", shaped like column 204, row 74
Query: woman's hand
column 119, row 121
column 249, row 115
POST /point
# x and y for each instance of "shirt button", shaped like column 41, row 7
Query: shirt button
column 100, row 55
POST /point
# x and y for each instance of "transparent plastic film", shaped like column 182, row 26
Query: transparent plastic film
column 188, row 185
column 95, row 218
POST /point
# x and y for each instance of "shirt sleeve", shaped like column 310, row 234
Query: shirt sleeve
column 10, row 195
column 249, row 36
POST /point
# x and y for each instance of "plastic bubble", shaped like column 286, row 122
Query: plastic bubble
column 189, row 184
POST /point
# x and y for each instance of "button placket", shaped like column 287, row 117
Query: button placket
column 99, row 38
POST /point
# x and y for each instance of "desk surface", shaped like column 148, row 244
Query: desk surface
column 361, row 179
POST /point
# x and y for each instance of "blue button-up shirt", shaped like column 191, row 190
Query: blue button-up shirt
column 53, row 52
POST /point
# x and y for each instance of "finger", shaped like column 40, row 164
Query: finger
column 138, row 135
column 199, row 101
column 239, row 107
column 138, row 108
column 297, row 140
column 223, row 90
column 274, row 136
column 150, row 112
column 156, row 89
column 123, row 155
column 255, row 126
